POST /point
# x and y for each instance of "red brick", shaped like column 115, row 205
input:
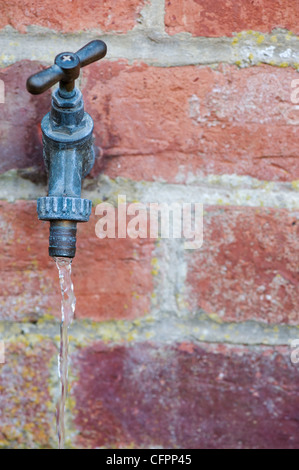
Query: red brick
column 27, row 408
column 247, row 268
column 223, row 17
column 164, row 123
column 185, row 396
column 112, row 278
column 20, row 117
column 79, row 15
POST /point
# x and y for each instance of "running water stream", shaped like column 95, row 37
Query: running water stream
column 68, row 305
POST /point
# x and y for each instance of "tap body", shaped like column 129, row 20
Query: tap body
column 67, row 148
column 69, row 156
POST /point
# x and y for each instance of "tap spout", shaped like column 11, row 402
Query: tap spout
column 69, row 156
column 62, row 240
column 68, row 147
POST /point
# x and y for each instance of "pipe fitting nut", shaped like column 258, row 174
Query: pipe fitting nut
column 64, row 208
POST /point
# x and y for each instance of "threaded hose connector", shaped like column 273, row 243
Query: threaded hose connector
column 62, row 240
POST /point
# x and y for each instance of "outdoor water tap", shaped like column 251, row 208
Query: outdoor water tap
column 68, row 147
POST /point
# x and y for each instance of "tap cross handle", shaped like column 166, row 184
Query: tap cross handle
column 66, row 68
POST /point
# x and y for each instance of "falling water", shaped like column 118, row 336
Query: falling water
column 68, row 305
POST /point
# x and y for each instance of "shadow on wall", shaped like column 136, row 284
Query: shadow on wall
column 21, row 115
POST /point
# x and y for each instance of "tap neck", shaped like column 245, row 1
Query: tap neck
column 67, row 111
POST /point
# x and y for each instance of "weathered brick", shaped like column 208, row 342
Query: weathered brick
column 222, row 18
column 166, row 123
column 79, row 15
column 27, row 410
column 20, row 117
column 112, row 278
column 28, row 284
column 186, row 396
column 247, row 268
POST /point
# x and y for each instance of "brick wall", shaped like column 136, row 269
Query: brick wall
column 170, row 348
